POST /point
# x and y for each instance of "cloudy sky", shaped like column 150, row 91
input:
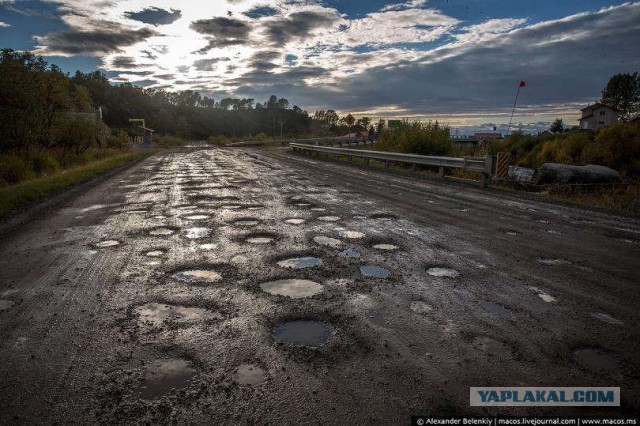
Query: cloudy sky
column 459, row 61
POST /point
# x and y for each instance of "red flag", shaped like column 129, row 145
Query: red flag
column 523, row 83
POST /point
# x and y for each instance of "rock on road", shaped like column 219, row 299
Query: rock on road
column 255, row 286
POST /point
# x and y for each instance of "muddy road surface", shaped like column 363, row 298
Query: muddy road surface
column 247, row 286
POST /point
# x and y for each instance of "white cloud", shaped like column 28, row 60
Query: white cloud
column 4, row 25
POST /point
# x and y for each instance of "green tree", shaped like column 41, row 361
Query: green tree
column 349, row 121
column 557, row 126
column 623, row 93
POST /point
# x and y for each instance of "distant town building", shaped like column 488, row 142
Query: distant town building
column 597, row 116
column 485, row 136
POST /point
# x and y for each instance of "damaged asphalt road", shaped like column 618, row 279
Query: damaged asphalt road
column 247, row 286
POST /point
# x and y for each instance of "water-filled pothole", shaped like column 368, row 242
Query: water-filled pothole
column 443, row 272
column 294, row 221
column 6, row 304
column 349, row 253
column 606, row 318
column 162, row 232
column 293, row 288
column 596, row 361
column 552, row 262
column 107, row 243
column 260, row 238
column 542, row 295
column 302, row 333
column 300, row 262
column 327, row 241
column 496, row 308
column 197, row 233
column 198, row 276
column 249, row 375
column 374, row 271
column 246, row 222
column 163, row 376
column 384, row 246
column 353, row 235
column 156, row 314
column 155, row 253
column 387, row 216
column 197, row 217
column 420, row 307
column 329, row 218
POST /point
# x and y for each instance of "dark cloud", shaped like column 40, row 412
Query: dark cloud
column 92, row 42
column 208, row 64
column 258, row 12
column 298, row 25
column 155, row 16
column 126, row 62
column 165, row 76
column 224, row 32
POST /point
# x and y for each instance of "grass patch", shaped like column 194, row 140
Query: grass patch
column 15, row 196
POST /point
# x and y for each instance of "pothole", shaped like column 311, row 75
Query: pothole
column 295, row 221
column 208, row 246
column 420, row 307
column 300, row 262
column 374, row 271
column 249, row 375
column 231, row 206
column 387, row 216
column 327, row 241
column 156, row 314
column 596, row 361
column 302, row 333
column 198, row 276
column 318, row 209
column 496, row 308
column 155, row 253
column 352, row 235
column 606, row 318
column 329, row 218
column 260, row 238
column 491, row 347
column 197, row 217
column 6, row 304
column 552, row 262
column 197, row 233
column 293, row 288
column 246, row 222
column 349, row 253
column 542, row 295
column 107, row 243
column 163, row 376
column 386, row 247
column 443, row 272
column 162, row 232
column 240, row 258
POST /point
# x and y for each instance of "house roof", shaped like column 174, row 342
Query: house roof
column 598, row 105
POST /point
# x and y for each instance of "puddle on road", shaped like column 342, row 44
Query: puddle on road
column 552, row 262
column 196, row 233
column 6, row 304
column 329, row 218
column 352, row 235
column 163, row 376
column 259, row 240
column 492, row 347
column 596, row 361
column 107, row 243
column 496, row 309
column 249, row 375
column 327, row 241
column 542, row 295
column 318, row 209
column 303, row 333
column 208, row 246
column 349, row 254
column 512, row 233
column 443, row 272
column 387, row 247
column 376, row 318
column 387, row 216
column 156, row 314
column 93, row 207
column 246, row 222
column 374, row 271
column 240, row 258
column 197, row 217
column 155, row 253
column 606, row 318
column 302, row 204
column 295, row 221
column 198, row 275
column 420, row 307
column 231, row 206
column 162, row 231
column 300, row 262
column 293, row 288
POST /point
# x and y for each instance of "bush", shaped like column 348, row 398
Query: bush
column 13, row 169
column 44, row 163
column 416, row 138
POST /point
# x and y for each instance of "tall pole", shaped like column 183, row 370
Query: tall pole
column 520, row 86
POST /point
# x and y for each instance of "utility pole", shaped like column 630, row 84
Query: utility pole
column 520, row 86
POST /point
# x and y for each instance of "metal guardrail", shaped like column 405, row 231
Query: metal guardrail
column 483, row 165
column 328, row 141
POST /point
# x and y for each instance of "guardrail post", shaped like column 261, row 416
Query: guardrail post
column 413, row 167
column 387, row 164
column 484, row 182
column 366, row 162
column 441, row 172
column 350, row 158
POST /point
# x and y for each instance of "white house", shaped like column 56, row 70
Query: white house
column 597, row 116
